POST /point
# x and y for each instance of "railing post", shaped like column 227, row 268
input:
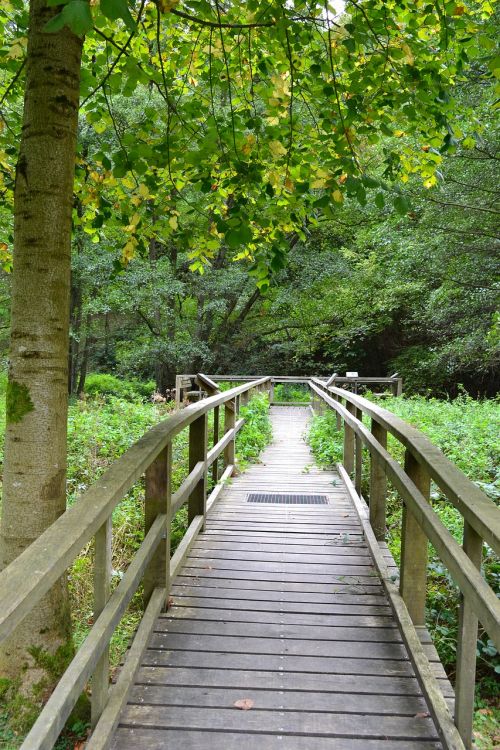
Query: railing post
column 466, row 646
column 359, row 455
column 102, row 590
column 378, row 485
column 198, row 443
column 337, row 414
column 157, row 502
column 271, row 392
column 229, row 422
column 349, row 443
column 414, row 543
column 215, row 465
column 244, row 398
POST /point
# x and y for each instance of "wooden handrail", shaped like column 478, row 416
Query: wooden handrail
column 473, row 504
column 35, row 571
column 25, row 581
column 421, row 523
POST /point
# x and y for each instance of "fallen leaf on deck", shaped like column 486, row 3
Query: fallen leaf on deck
column 244, row 704
column 170, row 602
column 422, row 715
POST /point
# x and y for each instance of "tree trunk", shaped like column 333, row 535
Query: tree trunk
column 84, row 363
column 75, row 331
column 34, row 492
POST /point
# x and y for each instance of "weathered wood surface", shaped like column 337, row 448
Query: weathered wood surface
column 280, row 605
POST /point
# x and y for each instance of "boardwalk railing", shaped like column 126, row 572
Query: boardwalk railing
column 423, row 463
column 35, row 571
column 192, row 387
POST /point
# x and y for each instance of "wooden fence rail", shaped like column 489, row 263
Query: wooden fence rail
column 35, row 571
column 421, row 524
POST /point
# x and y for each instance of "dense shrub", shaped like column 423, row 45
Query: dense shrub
column 102, row 384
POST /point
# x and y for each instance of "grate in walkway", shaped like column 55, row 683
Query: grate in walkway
column 281, row 499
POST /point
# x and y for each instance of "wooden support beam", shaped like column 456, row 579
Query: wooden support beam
column 215, row 466
column 158, row 501
column 467, row 645
column 102, row 591
column 229, row 423
column 359, row 456
column 414, row 546
column 198, row 436
column 348, row 443
column 378, row 485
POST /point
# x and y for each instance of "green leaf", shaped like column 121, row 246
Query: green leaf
column 115, row 9
column 379, row 200
column 239, row 235
column 401, row 205
column 76, row 15
column 370, row 182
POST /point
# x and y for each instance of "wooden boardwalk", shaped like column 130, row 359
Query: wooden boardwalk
column 279, row 606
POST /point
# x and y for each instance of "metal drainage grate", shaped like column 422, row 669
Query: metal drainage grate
column 280, row 499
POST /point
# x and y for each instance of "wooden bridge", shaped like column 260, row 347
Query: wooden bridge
column 286, row 626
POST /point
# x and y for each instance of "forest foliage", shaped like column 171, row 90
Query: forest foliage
column 306, row 193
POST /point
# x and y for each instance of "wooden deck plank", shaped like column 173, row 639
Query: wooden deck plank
column 279, row 604
column 186, row 739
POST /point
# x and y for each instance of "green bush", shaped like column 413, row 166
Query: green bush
column 292, row 392
column 256, row 432
column 102, row 384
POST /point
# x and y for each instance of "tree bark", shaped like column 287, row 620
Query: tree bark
column 34, row 492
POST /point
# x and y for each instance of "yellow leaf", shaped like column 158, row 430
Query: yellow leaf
column 249, row 143
column 166, row 6
column 337, row 196
column 173, row 222
column 18, row 48
column 143, row 191
column 408, row 54
column 277, row 149
column 430, row 182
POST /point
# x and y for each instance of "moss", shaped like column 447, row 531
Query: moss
column 21, row 709
column 18, row 401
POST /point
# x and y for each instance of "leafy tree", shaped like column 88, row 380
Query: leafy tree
column 267, row 115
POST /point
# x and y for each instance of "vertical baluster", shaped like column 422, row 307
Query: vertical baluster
column 158, row 501
column 102, row 590
column 229, row 422
column 349, row 443
column 378, row 485
column 215, row 465
column 359, row 456
column 337, row 414
column 466, row 648
column 244, row 398
column 198, row 438
column 414, row 552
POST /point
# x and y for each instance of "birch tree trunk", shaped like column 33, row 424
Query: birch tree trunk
column 34, row 492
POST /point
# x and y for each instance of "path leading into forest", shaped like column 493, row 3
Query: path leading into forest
column 279, row 634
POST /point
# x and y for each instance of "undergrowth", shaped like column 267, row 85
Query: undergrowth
column 292, row 392
column 467, row 432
